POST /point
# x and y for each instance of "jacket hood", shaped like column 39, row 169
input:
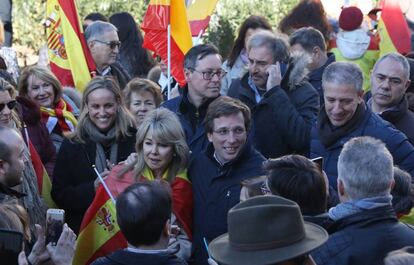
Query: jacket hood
column 353, row 44
column 297, row 72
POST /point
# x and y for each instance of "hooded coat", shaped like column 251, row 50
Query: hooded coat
column 283, row 118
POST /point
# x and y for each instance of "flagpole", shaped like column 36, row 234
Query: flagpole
column 104, row 184
column 169, row 60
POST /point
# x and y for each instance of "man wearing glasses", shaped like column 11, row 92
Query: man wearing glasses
column 216, row 173
column 283, row 109
column 103, row 43
column 203, row 73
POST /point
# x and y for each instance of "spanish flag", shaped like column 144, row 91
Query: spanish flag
column 43, row 181
column 159, row 15
column 393, row 29
column 199, row 13
column 70, row 59
column 100, row 234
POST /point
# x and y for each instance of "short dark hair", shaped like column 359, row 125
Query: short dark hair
column 308, row 38
column 298, row 179
column 402, row 193
column 197, row 53
column 225, row 106
column 95, row 16
column 5, row 150
column 142, row 211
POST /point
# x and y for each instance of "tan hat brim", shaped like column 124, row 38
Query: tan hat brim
column 222, row 252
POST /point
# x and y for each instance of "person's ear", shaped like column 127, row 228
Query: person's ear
column 210, row 137
column 187, row 73
column 91, row 45
column 392, row 184
column 3, row 167
column 407, row 84
column 341, row 187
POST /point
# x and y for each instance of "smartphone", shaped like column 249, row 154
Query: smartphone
column 319, row 162
column 11, row 243
column 55, row 218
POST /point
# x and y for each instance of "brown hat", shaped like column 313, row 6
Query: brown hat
column 265, row 230
column 350, row 18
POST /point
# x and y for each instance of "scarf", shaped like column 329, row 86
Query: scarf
column 61, row 115
column 102, row 141
column 348, row 208
column 329, row 134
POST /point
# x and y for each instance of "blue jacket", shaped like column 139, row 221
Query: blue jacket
column 364, row 238
column 216, row 189
column 125, row 257
column 371, row 125
column 191, row 119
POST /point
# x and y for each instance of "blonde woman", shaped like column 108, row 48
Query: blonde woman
column 104, row 136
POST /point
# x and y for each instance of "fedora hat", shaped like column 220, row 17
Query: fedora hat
column 265, row 230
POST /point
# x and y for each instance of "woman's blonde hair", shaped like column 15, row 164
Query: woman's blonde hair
column 43, row 74
column 124, row 119
column 1, row 33
column 165, row 128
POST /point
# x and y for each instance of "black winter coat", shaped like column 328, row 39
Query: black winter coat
column 216, row 189
column 364, row 238
column 73, row 182
column 283, row 119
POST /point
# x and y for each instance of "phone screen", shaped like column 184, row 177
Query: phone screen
column 10, row 246
column 55, row 218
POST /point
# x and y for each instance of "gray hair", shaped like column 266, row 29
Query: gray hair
column 343, row 73
column 365, row 166
column 276, row 43
column 97, row 29
column 397, row 58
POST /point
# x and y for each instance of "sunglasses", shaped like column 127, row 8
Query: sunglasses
column 112, row 44
column 10, row 105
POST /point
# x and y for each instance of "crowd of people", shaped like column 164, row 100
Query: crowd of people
column 296, row 149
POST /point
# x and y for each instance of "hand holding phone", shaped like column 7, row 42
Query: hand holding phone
column 55, row 218
column 274, row 76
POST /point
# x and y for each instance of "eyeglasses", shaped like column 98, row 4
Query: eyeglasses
column 208, row 75
column 112, row 44
column 10, row 105
column 235, row 131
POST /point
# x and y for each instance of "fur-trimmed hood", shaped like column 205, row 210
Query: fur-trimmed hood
column 297, row 72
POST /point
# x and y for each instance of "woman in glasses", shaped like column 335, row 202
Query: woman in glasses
column 142, row 96
column 58, row 111
column 104, row 137
column 29, row 186
column 135, row 59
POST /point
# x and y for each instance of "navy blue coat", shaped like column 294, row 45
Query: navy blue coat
column 125, row 257
column 216, row 189
column 196, row 139
column 372, row 125
column 283, row 118
column 364, row 238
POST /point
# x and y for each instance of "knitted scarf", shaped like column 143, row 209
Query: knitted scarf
column 103, row 141
column 60, row 115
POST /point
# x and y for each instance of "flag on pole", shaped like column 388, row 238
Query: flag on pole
column 199, row 13
column 393, row 29
column 70, row 59
column 99, row 232
column 43, row 181
column 159, row 15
